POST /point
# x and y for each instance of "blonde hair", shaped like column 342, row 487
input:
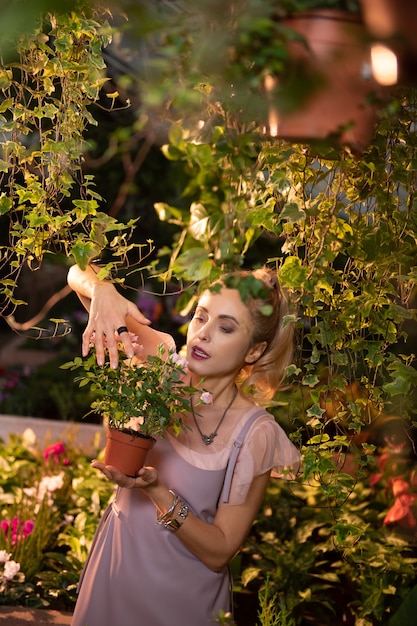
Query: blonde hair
column 267, row 308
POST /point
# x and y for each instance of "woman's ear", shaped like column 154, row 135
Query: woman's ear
column 255, row 352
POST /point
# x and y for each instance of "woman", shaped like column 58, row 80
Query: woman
column 161, row 552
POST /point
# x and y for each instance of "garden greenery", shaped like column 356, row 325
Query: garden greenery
column 50, row 499
column 45, row 99
column 145, row 394
column 340, row 228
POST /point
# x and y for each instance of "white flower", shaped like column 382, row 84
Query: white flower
column 48, row 485
column 10, row 569
column 4, row 556
column 286, row 247
column 30, row 491
column 135, row 423
column 29, row 438
column 51, row 483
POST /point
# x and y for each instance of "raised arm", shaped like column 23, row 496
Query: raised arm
column 108, row 311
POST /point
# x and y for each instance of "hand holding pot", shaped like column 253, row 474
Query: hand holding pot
column 147, row 476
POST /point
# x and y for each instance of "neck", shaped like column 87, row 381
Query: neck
column 221, row 390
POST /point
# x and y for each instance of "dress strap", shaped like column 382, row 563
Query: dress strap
column 235, row 452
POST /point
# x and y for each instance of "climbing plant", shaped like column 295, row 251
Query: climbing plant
column 340, row 228
column 341, row 231
column 49, row 205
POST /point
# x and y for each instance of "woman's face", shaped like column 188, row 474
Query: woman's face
column 219, row 335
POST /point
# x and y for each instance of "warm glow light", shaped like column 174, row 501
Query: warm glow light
column 384, row 64
column 273, row 122
column 270, row 83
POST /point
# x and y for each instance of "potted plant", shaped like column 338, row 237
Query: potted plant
column 139, row 401
column 328, row 51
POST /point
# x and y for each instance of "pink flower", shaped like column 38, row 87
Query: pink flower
column 56, row 450
column 178, row 360
column 137, row 347
column 206, row 397
column 17, row 529
column 375, row 478
column 28, row 526
column 401, row 511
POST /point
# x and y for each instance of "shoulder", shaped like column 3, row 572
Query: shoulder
column 263, row 433
column 264, row 425
column 258, row 418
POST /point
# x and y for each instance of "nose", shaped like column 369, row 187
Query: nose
column 204, row 332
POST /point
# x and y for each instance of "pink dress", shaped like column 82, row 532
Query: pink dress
column 140, row 574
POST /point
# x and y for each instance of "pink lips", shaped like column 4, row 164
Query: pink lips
column 198, row 353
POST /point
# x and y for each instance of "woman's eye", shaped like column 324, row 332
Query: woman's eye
column 226, row 329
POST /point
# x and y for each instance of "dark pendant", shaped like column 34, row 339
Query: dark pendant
column 208, row 439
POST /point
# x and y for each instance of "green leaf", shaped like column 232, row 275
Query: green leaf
column 194, row 264
column 84, row 252
column 5, row 204
column 399, row 385
column 293, row 273
column 249, row 574
column 292, row 212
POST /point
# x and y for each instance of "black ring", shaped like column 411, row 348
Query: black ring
column 122, row 329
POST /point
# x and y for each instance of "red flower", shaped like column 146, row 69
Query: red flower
column 401, row 511
column 56, row 450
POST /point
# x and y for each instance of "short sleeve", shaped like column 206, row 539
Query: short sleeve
column 266, row 448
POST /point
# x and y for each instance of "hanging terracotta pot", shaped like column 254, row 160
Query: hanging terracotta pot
column 127, row 452
column 335, row 56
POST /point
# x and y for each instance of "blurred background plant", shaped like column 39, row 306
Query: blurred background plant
column 50, row 501
column 328, row 561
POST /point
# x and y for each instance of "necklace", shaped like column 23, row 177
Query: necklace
column 208, row 439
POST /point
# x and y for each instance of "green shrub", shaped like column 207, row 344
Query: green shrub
column 50, row 504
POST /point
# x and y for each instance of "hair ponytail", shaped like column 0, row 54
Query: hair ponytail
column 267, row 310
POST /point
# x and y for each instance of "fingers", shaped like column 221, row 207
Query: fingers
column 135, row 314
column 113, row 474
column 146, row 476
column 113, row 347
column 106, row 317
column 86, row 340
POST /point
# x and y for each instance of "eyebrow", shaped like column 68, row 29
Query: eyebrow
column 222, row 317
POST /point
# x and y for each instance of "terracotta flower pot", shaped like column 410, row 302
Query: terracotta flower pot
column 127, row 452
column 335, row 54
